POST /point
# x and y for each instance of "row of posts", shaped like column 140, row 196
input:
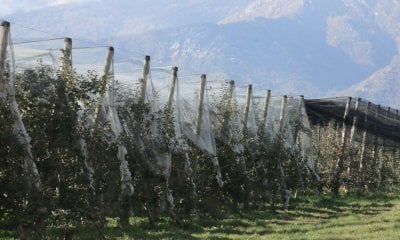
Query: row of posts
column 349, row 141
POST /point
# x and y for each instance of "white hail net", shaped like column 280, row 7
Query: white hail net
column 226, row 116
column 95, row 59
column 293, row 129
column 246, row 108
column 48, row 53
column 155, row 144
column 195, row 120
column 7, row 92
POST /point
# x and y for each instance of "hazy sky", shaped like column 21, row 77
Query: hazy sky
column 13, row 6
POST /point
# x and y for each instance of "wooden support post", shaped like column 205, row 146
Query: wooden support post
column 200, row 105
column 247, row 108
column 281, row 125
column 376, row 137
column 143, row 80
column 344, row 127
column 382, row 150
column 340, row 162
column 108, row 61
column 396, row 154
column 299, row 120
column 104, row 81
column 284, row 192
column 172, row 87
column 355, row 117
column 66, row 66
column 265, row 111
column 4, row 33
column 146, row 67
column 225, row 130
column 318, row 143
column 231, row 89
column 352, row 133
column 283, row 113
column 319, row 137
column 364, row 139
column 296, row 140
column 397, row 144
column 68, row 46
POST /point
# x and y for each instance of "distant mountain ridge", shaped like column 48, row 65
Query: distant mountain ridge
column 314, row 48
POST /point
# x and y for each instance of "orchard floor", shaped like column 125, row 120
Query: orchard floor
column 370, row 216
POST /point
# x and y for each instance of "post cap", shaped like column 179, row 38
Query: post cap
column 4, row 24
column 203, row 76
column 175, row 68
column 68, row 40
column 147, row 58
column 110, row 48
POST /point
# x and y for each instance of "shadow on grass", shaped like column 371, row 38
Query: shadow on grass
column 140, row 231
column 307, row 214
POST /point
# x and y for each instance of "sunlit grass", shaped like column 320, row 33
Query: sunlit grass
column 373, row 216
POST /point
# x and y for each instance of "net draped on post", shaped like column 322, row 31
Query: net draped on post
column 103, row 108
column 227, row 122
column 8, row 61
column 149, row 125
column 83, row 61
column 293, row 129
column 195, row 120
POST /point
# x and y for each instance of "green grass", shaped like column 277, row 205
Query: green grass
column 374, row 216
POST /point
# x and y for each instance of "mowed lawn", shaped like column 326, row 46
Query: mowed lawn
column 371, row 216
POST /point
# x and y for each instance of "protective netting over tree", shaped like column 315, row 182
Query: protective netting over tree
column 246, row 108
column 148, row 117
column 156, row 135
column 278, row 120
column 377, row 121
column 75, row 84
column 95, row 119
column 101, row 109
column 196, row 122
column 286, row 117
column 301, row 132
column 117, row 131
column 29, row 55
column 25, row 192
column 226, row 118
column 194, row 118
column 7, row 93
column 287, row 121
